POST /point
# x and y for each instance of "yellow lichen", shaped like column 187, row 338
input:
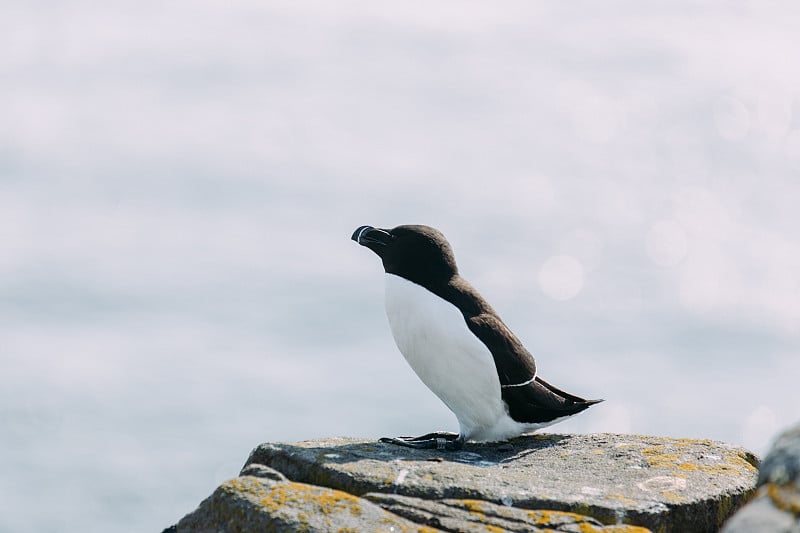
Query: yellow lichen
column 327, row 501
column 657, row 458
column 426, row 529
column 691, row 442
column 722, row 468
column 662, row 456
column 540, row 517
column 740, row 460
column 475, row 507
column 672, row 497
column 585, row 527
column 785, row 498
column 624, row 529
column 545, row 517
column 622, row 499
column 724, row 509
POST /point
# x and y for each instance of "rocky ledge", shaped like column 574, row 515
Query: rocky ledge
column 776, row 506
column 546, row 482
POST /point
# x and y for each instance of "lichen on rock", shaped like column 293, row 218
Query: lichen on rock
column 470, row 516
column 603, row 483
column 660, row 483
column 776, row 505
column 250, row 503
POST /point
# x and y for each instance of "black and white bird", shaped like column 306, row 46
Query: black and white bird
column 457, row 344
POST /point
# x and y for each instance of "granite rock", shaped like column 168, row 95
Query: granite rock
column 659, row 483
column 776, row 506
column 478, row 516
column 268, row 502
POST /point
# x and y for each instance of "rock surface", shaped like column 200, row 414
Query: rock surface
column 776, row 507
column 565, row 483
column 266, row 501
column 478, row 516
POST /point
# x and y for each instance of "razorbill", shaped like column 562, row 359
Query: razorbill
column 457, row 344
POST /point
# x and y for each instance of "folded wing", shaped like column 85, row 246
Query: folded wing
column 536, row 401
column 539, row 402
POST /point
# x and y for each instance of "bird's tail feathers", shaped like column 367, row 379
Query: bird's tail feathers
column 569, row 399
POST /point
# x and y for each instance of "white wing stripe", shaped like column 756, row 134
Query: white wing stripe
column 520, row 384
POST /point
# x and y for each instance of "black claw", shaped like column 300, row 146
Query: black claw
column 438, row 435
column 439, row 440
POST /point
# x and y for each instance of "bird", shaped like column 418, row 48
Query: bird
column 458, row 346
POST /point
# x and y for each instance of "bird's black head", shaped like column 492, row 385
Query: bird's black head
column 418, row 253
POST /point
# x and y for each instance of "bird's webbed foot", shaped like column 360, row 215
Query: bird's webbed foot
column 438, row 440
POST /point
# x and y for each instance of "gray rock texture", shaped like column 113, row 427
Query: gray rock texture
column 601, row 483
column 776, row 507
column 659, row 483
column 478, row 516
column 268, row 502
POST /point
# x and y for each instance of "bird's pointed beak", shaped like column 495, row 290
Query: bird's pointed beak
column 367, row 235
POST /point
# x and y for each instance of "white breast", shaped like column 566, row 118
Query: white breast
column 434, row 338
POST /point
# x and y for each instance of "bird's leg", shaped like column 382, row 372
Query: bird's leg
column 438, row 440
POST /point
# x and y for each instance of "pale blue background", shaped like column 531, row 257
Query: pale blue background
column 179, row 182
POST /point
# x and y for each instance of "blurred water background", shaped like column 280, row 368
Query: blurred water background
column 179, row 182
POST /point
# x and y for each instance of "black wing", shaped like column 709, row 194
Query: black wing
column 514, row 363
column 534, row 402
column 541, row 402
column 537, row 401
